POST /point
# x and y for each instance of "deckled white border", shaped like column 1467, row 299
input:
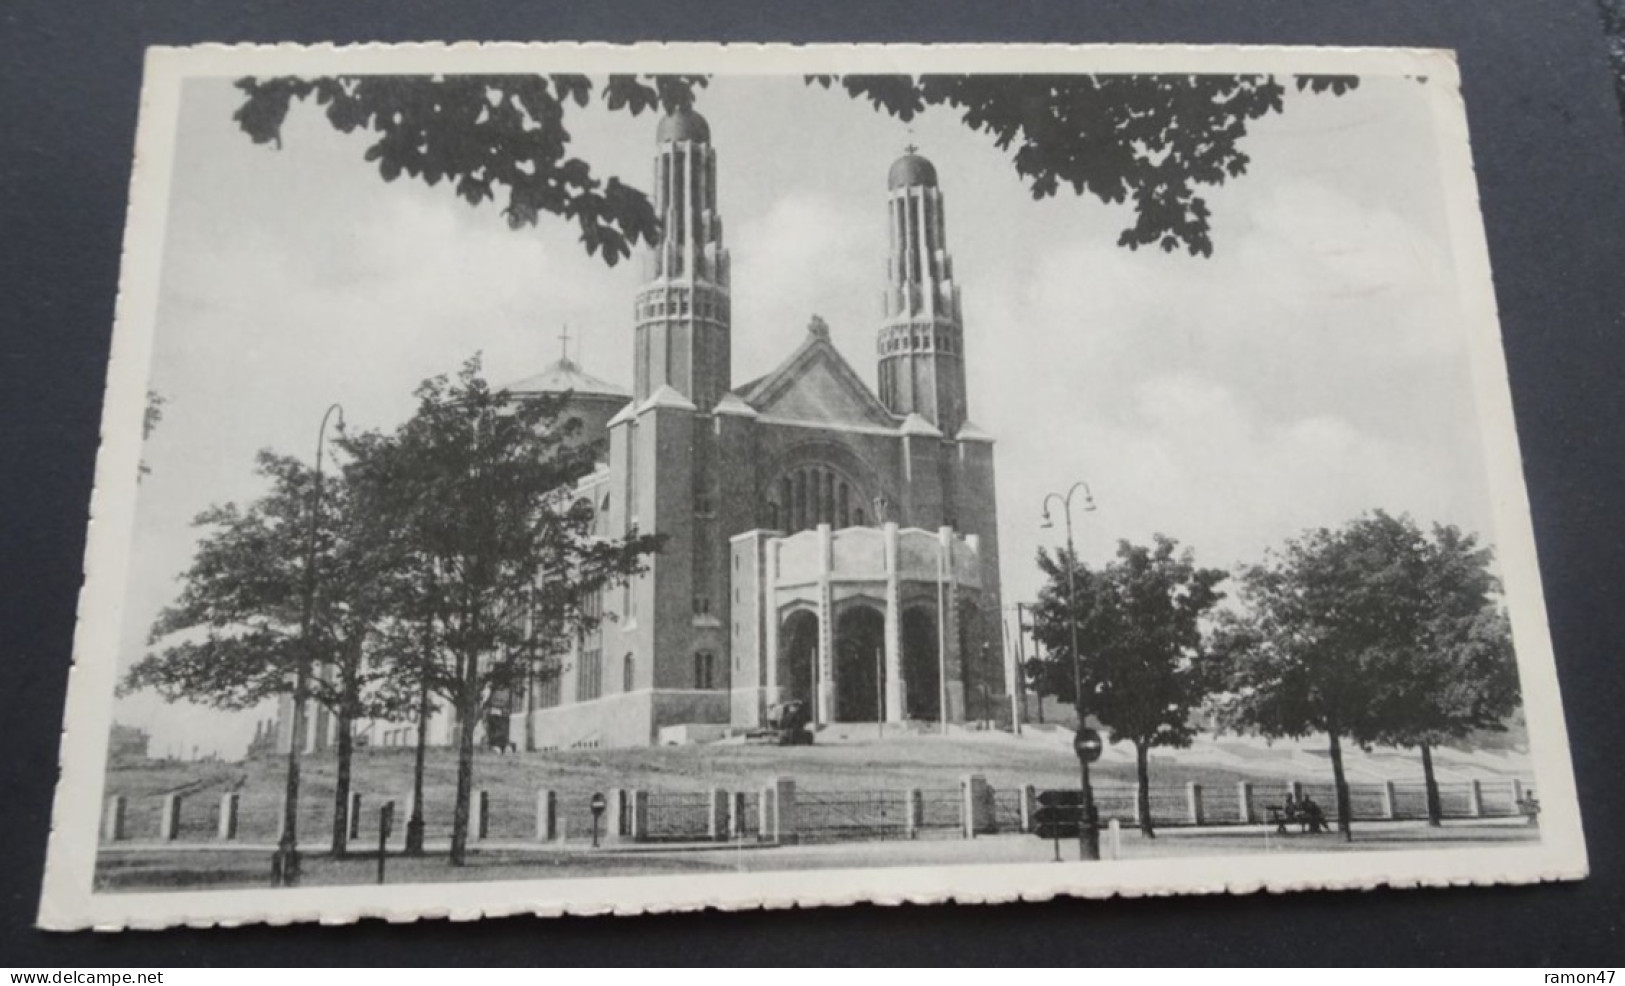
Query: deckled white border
column 68, row 901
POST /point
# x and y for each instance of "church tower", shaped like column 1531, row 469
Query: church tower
column 921, row 345
column 683, row 338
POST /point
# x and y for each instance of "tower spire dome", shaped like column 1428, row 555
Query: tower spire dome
column 683, row 125
column 922, row 340
column 912, row 169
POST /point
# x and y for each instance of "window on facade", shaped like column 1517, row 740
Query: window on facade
column 702, row 605
column 705, row 669
column 547, row 691
column 628, row 676
column 590, row 676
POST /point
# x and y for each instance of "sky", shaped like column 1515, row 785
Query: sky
column 1313, row 368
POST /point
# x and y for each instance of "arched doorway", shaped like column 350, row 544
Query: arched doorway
column 860, row 665
column 921, row 674
column 798, row 638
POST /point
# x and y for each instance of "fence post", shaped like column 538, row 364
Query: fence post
column 913, row 812
column 229, row 806
column 1029, row 801
column 354, row 820
column 479, row 814
column 1517, row 796
column 974, row 801
column 766, row 816
column 1193, row 801
column 113, row 821
column 1115, row 831
column 619, row 824
column 169, row 820
column 640, row 815
column 547, row 815
column 1244, row 803
column 784, row 810
column 717, row 820
column 1388, row 801
column 1475, row 799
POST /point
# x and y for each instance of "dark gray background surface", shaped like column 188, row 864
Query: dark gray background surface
column 1551, row 165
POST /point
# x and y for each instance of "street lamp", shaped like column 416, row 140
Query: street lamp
column 285, row 864
column 1087, row 743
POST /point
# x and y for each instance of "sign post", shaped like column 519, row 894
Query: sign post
column 597, row 806
column 386, row 822
column 1087, row 745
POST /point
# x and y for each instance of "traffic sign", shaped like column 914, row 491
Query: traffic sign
column 1063, row 797
column 1057, row 830
column 597, row 803
column 1087, row 745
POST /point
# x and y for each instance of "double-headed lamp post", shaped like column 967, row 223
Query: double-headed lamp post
column 285, row 864
column 1088, row 830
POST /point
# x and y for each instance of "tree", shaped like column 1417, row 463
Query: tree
column 1150, row 140
column 1145, row 669
column 1455, row 673
column 1314, row 650
column 485, row 491
column 234, row 637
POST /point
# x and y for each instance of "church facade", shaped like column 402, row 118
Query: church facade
column 823, row 542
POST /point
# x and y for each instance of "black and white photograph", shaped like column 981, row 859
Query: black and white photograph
column 571, row 479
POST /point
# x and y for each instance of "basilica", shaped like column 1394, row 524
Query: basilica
column 823, row 542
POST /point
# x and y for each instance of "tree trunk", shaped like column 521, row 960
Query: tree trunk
column 414, row 825
column 467, row 719
column 341, row 788
column 1142, row 793
column 1435, row 809
column 1342, row 784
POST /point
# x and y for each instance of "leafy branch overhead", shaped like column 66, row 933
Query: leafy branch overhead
column 485, row 134
column 1152, row 141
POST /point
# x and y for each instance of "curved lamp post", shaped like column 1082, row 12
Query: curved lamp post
column 285, row 864
column 1089, row 830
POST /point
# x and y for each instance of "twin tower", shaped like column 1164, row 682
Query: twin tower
column 823, row 543
column 683, row 318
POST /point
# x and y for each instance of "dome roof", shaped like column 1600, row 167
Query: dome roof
column 566, row 375
column 683, row 125
column 911, row 169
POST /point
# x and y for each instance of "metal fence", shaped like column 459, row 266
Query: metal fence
column 515, row 815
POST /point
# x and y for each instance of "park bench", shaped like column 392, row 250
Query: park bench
column 1281, row 816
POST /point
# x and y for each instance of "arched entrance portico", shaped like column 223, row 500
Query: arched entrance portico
column 860, row 664
column 921, row 672
column 799, row 642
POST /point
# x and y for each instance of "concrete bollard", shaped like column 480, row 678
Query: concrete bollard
column 1244, row 803
column 230, row 808
column 353, row 819
column 1475, row 799
column 113, row 829
column 913, row 812
column 975, row 806
column 479, row 815
column 718, row 815
column 1114, row 841
column 1029, row 806
column 1388, row 801
column 547, row 815
column 169, row 818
